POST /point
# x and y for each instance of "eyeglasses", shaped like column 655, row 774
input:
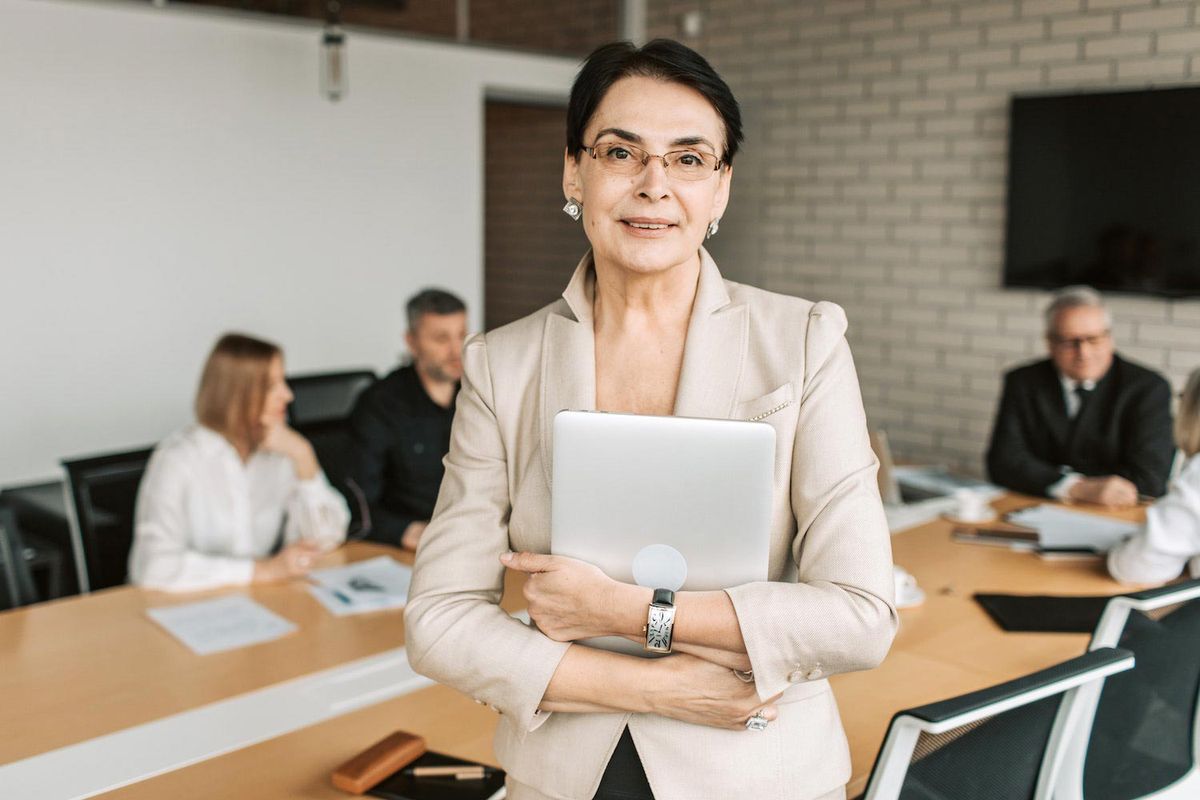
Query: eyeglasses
column 626, row 160
column 1078, row 342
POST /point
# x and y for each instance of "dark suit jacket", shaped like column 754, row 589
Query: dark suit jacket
column 400, row 436
column 1123, row 429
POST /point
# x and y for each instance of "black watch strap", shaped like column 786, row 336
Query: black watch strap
column 663, row 597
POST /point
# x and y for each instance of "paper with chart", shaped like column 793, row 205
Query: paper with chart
column 226, row 623
column 1064, row 529
column 370, row 585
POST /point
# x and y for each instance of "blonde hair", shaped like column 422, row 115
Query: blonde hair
column 1187, row 421
column 233, row 387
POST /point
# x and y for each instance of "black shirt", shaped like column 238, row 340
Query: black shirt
column 400, row 437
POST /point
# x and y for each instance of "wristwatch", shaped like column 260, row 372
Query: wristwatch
column 660, row 621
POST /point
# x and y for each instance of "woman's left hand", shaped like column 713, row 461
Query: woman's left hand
column 568, row 599
column 281, row 438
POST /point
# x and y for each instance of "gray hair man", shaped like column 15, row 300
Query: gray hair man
column 1085, row 424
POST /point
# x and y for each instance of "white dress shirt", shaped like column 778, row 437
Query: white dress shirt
column 1072, row 399
column 1060, row 489
column 1170, row 538
column 203, row 517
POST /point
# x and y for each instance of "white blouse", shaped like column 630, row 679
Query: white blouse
column 203, row 517
column 1169, row 540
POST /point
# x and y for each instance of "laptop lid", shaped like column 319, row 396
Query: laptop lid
column 664, row 502
column 889, row 486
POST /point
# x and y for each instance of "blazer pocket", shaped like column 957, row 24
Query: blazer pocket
column 760, row 408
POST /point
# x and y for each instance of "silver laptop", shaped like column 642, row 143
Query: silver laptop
column 911, row 485
column 663, row 502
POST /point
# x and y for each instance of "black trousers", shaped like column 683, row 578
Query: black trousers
column 624, row 778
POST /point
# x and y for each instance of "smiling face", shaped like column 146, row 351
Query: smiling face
column 650, row 221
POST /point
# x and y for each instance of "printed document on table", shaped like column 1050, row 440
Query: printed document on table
column 1061, row 528
column 226, row 623
column 372, row 585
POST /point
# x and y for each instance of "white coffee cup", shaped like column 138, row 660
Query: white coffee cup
column 972, row 506
column 908, row 594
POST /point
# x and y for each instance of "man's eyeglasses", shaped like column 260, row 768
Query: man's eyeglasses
column 1077, row 343
column 626, row 160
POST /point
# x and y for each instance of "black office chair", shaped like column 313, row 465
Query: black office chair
column 101, row 493
column 321, row 412
column 1143, row 739
column 16, row 584
column 326, row 397
column 1002, row 743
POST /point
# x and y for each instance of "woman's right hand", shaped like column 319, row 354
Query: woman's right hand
column 693, row 690
column 291, row 562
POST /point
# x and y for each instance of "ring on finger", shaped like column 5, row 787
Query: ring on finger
column 744, row 677
column 757, row 722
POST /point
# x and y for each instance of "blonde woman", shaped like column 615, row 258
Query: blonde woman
column 221, row 494
column 1171, row 537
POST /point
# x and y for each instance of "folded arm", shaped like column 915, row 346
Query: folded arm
column 839, row 617
column 456, row 632
column 317, row 513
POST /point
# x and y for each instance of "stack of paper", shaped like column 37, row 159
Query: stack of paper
column 371, row 585
column 213, row 626
column 1063, row 529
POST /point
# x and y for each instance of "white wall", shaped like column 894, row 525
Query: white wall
column 166, row 175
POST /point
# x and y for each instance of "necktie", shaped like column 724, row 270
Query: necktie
column 1082, row 394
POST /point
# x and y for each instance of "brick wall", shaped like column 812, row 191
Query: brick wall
column 530, row 246
column 573, row 28
column 874, row 176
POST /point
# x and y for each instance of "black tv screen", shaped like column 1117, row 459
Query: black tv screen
column 1104, row 190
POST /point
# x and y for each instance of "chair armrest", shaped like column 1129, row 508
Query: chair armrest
column 1192, row 587
column 1026, row 689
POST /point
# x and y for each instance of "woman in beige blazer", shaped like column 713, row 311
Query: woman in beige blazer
column 647, row 325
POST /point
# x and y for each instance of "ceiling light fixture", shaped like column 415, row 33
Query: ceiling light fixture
column 333, row 54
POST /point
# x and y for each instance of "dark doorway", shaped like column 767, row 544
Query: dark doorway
column 530, row 245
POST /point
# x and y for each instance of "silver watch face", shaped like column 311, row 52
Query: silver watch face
column 658, row 627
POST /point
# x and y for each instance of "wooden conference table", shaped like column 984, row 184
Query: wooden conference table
column 83, row 667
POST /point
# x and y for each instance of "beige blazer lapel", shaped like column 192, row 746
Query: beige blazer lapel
column 568, row 359
column 715, row 351
column 713, row 355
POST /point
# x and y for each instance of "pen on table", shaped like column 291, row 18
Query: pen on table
column 469, row 772
column 340, row 595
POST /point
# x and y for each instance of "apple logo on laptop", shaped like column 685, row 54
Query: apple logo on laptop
column 660, row 566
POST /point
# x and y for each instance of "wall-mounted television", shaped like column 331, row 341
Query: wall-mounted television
column 1104, row 190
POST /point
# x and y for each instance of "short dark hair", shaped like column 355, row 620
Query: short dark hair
column 664, row 59
column 432, row 301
